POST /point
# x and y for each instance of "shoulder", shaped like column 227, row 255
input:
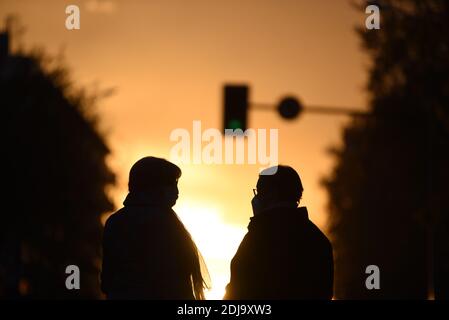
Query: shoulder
column 113, row 218
column 138, row 215
column 319, row 235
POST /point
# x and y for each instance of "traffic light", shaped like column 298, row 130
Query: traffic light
column 290, row 107
column 236, row 105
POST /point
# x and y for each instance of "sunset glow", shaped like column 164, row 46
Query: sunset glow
column 168, row 62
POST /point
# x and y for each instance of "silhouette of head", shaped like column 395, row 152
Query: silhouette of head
column 283, row 186
column 156, row 176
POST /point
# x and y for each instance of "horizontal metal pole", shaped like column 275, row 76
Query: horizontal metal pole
column 316, row 109
column 262, row 106
column 335, row 111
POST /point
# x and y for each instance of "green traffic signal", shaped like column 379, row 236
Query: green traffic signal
column 236, row 103
column 234, row 124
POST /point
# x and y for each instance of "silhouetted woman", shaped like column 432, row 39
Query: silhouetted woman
column 147, row 251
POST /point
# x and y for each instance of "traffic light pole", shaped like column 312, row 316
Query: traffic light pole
column 237, row 104
column 315, row 109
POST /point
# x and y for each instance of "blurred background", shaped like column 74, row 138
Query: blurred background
column 81, row 106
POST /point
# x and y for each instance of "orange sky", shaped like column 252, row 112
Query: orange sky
column 168, row 61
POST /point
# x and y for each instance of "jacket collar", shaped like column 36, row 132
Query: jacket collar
column 145, row 199
column 279, row 216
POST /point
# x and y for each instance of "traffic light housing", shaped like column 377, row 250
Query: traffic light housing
column 236, row 105
column 290, row 107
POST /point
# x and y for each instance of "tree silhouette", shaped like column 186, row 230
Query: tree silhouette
column 389, row 192
column 54, row 178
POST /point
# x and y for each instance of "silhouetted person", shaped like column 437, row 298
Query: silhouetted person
column 147, row 252
column 283, row 255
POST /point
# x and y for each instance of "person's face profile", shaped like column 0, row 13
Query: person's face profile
column 171, row 193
